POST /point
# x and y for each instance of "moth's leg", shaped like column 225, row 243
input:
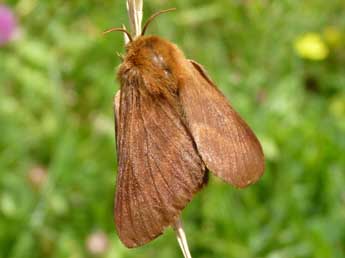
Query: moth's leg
column 120, row 56
column 181, row 238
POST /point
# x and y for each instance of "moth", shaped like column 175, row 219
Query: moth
column 173, row 125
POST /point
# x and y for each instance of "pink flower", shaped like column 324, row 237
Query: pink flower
column 97, row 243
column 37, row 176
column 8, row 25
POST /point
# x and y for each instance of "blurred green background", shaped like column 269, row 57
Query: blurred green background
column 282, row 65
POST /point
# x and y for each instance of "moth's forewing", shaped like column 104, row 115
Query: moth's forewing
column 225, row 142
column 159, row 169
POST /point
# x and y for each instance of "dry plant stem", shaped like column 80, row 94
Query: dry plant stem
column 182, row 239
column 135, row 14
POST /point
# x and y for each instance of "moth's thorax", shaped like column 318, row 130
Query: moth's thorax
column 156, row 61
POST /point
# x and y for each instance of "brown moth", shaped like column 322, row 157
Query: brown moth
column 173, row 125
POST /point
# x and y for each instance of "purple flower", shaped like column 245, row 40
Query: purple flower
column 8, row 25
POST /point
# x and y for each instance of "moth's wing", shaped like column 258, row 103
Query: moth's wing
column 159, row 169
column 225, row 142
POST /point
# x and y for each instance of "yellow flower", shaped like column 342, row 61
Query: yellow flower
column 311, row 46
column 332, row 36
column 337, row 107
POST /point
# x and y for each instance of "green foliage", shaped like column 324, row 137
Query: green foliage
column 57, row 151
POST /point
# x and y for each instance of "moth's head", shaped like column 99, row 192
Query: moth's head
column 150, row 51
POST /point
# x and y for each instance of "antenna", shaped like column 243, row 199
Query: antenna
column 128, row 36
column 147, row 23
